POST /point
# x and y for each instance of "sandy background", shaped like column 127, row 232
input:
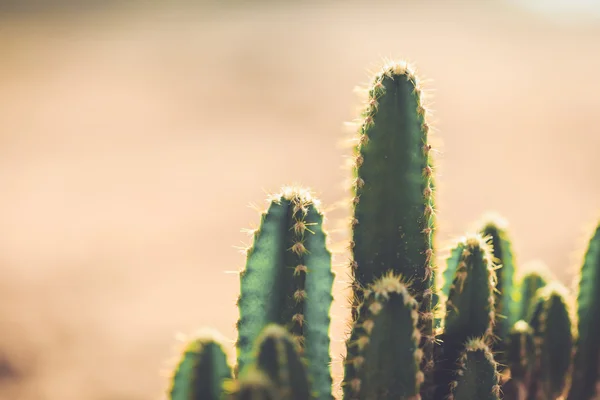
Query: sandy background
column 132, row 141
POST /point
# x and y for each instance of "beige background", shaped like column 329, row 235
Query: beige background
column 132, row 141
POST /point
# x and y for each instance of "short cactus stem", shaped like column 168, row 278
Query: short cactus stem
column 254, row 385
column 288, row 281
column 477, row 374
column 469, row 309
column 386, row 360
column 553, row 339
column 535, row 278
column 202, row 372
column 277, row 356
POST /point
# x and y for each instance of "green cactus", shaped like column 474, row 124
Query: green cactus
column 254, row 385
column 277, row 356
column 469, row 309
column 506, row 306
column 393, row 350
column 552, row 333
column 586, row 371
column 521, row 353
column 392, row 227
column 202, row 371
column 386, row 366
column 478, row 377
column 534, row 279
column 288, row 281
column 451, row 266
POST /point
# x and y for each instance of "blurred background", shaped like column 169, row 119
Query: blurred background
column 134, row 135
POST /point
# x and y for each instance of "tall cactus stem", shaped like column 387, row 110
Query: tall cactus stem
column 393, row 222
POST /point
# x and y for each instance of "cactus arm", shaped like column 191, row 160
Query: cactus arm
column 201, row 373
column 451, row 267
column 552, row 332
column 478, row 377
column 319, row 282
column 586, row 364
column 288, row 281
column 530, row 284
column 520, row 352
column 507, row 308
column 469, row 309
column 254, row 385
column 278, row 358
column 387, row 364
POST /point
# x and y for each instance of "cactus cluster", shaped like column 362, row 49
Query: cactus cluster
column 477, row 330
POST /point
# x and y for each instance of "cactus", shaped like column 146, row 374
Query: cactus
column 288, row 281
column 478, row 377
column 277, row 356
column 469, row 310
column 254, row 385
column 552, row 334
column 534, row 279
column 521, row 354
column 586, row 371
column 392, row 226
column 394, row 373
column 399, row 346
column 506, row 306
column 202, row 371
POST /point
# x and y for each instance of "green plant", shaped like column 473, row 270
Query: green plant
column 414, row 333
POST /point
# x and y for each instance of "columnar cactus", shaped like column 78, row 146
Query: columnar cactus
column 202, row 371
column 553, row 339
column 586, row 372
column 394, row 373
column 535, row 278
column 288, row 281
column 393, row 221
column 401, row 346
column 506, row 306
column 476, row 375
column 277, row 356
column 469, row 312
column 521, row 355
